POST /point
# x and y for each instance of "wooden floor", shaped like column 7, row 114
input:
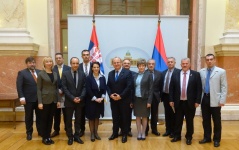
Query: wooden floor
column 13, row 139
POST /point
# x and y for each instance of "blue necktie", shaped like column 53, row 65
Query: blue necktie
column 117, row 75
column 75, row 77
column 207, row 86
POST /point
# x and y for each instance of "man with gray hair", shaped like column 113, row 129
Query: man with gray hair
column 185, row 96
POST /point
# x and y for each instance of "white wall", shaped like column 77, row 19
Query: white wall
column 215, row 23
column 37, row 24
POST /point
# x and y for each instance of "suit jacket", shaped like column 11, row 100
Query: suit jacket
column 82, row 69
column 194, row 89
column 156, row 85
column 146, row 86
column 218, row 85
column 163, row 78
column 92, row 88
column 64, row 68
column 47, row 91
column 70, row 89
column 122, row 86
column 26, row 85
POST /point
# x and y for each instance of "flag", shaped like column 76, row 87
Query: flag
column 95, row 54
column 159, row 54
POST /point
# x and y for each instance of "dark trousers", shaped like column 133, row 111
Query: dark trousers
column 120, row 115
column 184, row 110
column 154, row 115
column 207, row 113
column 129, row 119
column 47, row 119
column 69, row 114
column 29, row 108
column 57, row 118
column 169, row 114
column 82, row 125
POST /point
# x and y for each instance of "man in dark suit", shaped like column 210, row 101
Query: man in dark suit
column 119, row 91
column 126, row 65
column 165, row 82
column 85, row 67
column 73, row 84
column 185, row 95
column 59, row 68
column 27, row 93
column 156, row 97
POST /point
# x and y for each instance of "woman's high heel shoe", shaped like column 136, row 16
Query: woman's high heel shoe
column 92, row 138
column 97, row 136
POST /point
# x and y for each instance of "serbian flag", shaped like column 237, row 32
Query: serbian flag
column 159, row 54
column 95, row 54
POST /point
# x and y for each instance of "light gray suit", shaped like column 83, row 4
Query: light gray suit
column 218, row 85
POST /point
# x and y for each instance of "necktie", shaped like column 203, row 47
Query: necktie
column 184, row 86
column 166, row 90
column 60, row 71
column 207, row 86
column 152, row 74
column 117, row 75
column 33, row 75
column 86, row 70
column 75, row 77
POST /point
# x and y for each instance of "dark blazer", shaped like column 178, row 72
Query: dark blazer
column 163, row 78
column 122, row 86
column 146, row 86
column 92, row 90
column 26, row 85
column 55, row 69
column 70, row 89
column 156, row 85
column 47, row 91
column 82, row 69
column 194, row 89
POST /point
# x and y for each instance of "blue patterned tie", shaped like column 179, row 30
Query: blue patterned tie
column 117, row 75
column 207, row 86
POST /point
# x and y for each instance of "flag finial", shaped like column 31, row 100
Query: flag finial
column 159, row 19
column 93, row 18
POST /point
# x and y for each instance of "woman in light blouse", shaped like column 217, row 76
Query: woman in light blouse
column 96, row 90
column 143, row 91
column 48, row 98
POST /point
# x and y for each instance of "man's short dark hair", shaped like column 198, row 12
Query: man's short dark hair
column 73, row 58
column 210, row 55
column 85, row 50
column 30, row 59
column 59, row 54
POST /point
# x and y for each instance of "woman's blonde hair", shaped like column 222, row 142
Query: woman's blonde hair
column 45, row 59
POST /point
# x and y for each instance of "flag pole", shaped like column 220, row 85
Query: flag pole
column 93, row 18
column 159, row 19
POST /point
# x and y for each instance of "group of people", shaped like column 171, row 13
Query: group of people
column 79, row 92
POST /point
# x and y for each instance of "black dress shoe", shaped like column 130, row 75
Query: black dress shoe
column 70, row 141
column 139, row 138
column 203, row 141
column 51, row 141
column 78, row 140
column 113, row 136
column 92, row 138
column 166, row 134
column 46, row 142
column 175, row 139
column 188, row 142
column 124, row 139
column 97, row 136
column 29, row 137
column 81, row 133
column 130, row 134
column 216, row 144
column 156, row 133
column 143, row 139
column 54, row 134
